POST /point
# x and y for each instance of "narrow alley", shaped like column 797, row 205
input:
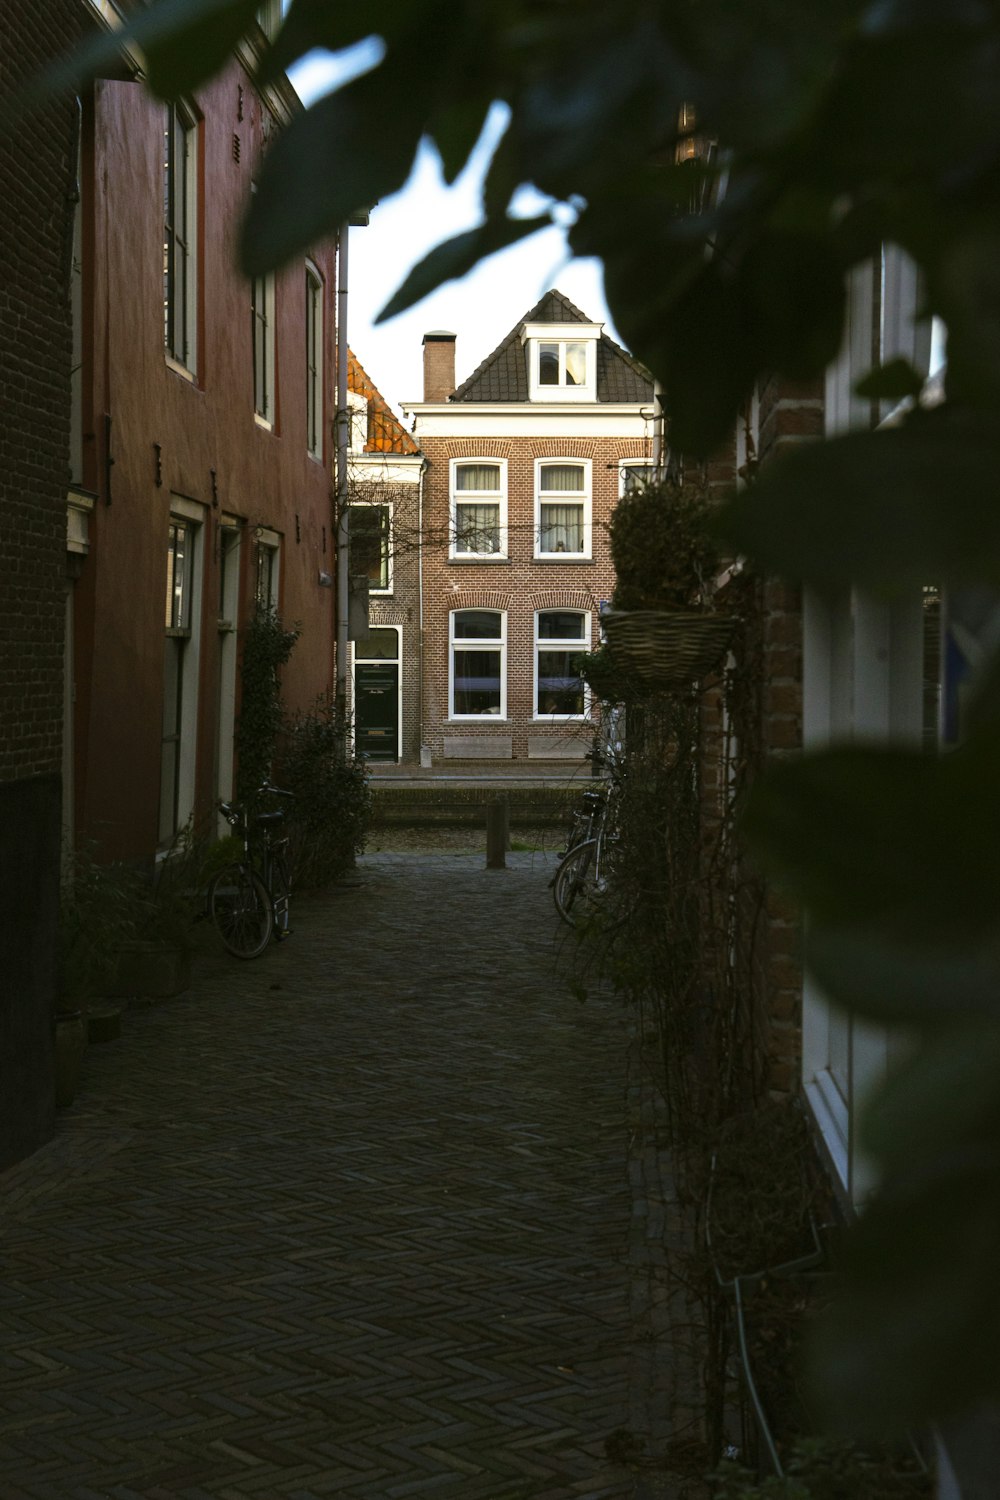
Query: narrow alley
column 351, row 1220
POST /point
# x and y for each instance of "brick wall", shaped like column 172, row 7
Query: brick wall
column 36, row 175
column 37, row 155
column 519, row 584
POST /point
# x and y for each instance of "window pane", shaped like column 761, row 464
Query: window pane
column 562, row 477
column 576, row 364
column 477, row 528
column 635, row 476
column 561, row 528
column 477, row 682
column 378, row 645
column 368, row 533
column 477, row 476
column 561, row 625
column 477, row 624
column 560, row 688
column 548, row 364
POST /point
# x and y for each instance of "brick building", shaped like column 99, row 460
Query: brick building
column 37, row 177
column 525, row 461
column 201, row 454
column 165, row 466
column 385, row 495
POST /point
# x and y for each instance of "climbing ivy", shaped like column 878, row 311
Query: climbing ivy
column 267, row 645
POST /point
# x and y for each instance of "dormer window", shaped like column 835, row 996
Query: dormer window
column 562, row 363
column 562, row 360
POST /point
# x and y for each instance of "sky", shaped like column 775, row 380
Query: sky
column 480, row 309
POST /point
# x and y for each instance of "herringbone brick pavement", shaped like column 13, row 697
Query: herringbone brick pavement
column 350, row 1220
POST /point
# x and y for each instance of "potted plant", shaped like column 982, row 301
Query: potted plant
column 662, row 627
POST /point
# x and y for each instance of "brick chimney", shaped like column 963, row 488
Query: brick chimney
column 439, row 365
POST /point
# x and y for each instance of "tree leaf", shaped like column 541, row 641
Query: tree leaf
column 176, row 31
column 916, row 1333
column 888, row 511
column 344, row 154
column 891, row 382
column 456, row 129
column 896, row 982
column 887, row 841
column 179, row 62
column 944, row 1094
column 457, row 256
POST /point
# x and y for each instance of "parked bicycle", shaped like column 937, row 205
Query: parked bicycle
column 249, row 899
column 581, row 876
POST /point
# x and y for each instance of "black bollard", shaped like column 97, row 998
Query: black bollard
column 497, row 835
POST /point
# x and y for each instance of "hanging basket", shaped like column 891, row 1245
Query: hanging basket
column 667, row 648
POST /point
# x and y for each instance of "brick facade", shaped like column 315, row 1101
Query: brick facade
column 521, row 584
column 160, row 441
column 506, row 414
column 37, row 158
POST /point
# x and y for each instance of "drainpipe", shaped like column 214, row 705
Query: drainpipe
column 420, row 603
column 658, row 444
column 342, row 433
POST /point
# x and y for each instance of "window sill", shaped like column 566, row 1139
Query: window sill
column 263, row 422
column 561, row 557
column 490, row 559
column 558, row 719
column 181, row 370
column 477, row 719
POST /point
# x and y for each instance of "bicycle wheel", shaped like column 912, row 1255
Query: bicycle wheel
column 281, row 890
column 240, row 906
column 577, row 890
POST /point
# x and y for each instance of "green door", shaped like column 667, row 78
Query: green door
column 376, row 698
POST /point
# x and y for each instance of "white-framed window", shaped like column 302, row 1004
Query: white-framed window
column 478, row 507
column 314, row 362
column 477, row 665
column 267, row 571
column 560, row 637
column 562, row 507
column 369, row 531
column 182, row 641
column 262, row 327
column 180, row 236
column 562, row 360
column 634, row 474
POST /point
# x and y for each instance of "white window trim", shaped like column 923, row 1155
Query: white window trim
column 536, row 334
column 271, row 541
column 472, row 644
column 389, row 506
column 315, row 336
column 262, row 290
column 580, row 645
column 630, row 463
column 584, row 497
column 477, row 497
column 193, row 516
column 184, row 362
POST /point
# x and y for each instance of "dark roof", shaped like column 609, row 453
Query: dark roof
column 503, row 375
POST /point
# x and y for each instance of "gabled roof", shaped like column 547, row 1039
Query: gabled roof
column 503, row 375
column 386, row 433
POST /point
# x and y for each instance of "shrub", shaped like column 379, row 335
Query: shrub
column 267, row 645
column 333, row 803
column 662, row 550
